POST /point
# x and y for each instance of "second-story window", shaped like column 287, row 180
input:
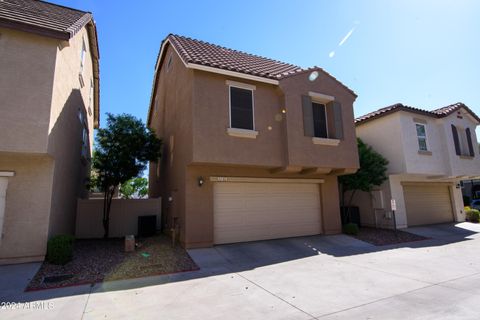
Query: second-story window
column 82, row 56
column 319, row 120
column 241, row 108
column 322, row 117
column 421, row 136
column 462, row 139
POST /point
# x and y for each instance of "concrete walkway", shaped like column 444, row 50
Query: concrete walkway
column 320, row 277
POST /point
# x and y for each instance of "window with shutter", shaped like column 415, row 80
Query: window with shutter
column 462, row 139
column 322, row 117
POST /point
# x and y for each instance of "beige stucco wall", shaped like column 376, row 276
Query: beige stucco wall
column 301, row 150
column 40, row 96
column 383, row 135
column 123, row 216
column 27, row 207
column 27, row 66
column 398, row 143
column 69, row 98
column 172, row 121
column 212, row 144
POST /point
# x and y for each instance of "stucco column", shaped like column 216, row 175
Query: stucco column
column 3, row 193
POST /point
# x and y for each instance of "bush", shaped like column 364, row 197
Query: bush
column 350, row 228
column 473, row 215
column 60, row 249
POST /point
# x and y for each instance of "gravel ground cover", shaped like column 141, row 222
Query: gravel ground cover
column 105, row 260
column 382, row 237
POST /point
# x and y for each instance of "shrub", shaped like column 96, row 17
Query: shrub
column 350, row 228
column 472, row 215
column 60, row 249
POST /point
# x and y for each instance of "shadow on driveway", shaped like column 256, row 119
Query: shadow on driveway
column 224, row 259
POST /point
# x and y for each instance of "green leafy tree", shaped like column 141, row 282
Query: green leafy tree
column 135, row 188
column 372, row 172
column 122, row 151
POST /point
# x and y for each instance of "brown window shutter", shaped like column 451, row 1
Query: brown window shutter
column 456, row 141
column 470, row 144
column 307, row 116
column 336, row 108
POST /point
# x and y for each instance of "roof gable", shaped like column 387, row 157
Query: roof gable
column 436, row 113
column 43, row 18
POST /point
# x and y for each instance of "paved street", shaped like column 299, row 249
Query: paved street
column 324, row 277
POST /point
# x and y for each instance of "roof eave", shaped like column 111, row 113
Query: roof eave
column 42, row 31
column 200, row 67
column 95, row 55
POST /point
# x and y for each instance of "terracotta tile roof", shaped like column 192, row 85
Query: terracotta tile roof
column 202, row 53
column 42, row 17
column 437, row 113
column 211, row 55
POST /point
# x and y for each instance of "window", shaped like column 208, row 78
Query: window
column 241, row 108
column 82, row 56
column 85, row 139
column 421, row 136
column 319, row 120
column 322, row 118
column 462, row 139
column 90, row 96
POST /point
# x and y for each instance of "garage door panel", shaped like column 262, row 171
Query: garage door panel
column 258, row 211
column 263, row 232
column 428, row 204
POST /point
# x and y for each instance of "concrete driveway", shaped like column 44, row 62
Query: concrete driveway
column 320, row 277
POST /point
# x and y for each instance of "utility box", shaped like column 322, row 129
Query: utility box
column 147, row 226
column 129, row 243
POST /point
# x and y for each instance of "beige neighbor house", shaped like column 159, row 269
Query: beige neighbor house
column 253, row 146
column 429, row 153
column 49, row 98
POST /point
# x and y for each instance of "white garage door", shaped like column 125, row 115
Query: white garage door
column 256, row 211
column 427, row 204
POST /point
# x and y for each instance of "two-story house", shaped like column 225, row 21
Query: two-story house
column 253, row 146
column 429, row 153
column 49, row 104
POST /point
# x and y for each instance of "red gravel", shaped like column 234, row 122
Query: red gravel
column 104, row 260
column 382, row 237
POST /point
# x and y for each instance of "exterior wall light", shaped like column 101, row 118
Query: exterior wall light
column 200, row 181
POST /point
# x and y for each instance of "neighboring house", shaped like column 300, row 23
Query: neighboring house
column 49, row 99
column 429, row 153
column 253, row 146
column 470, row 190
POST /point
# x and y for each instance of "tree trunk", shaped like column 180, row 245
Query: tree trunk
column 348, row 213
column 107, row 203
column 104, row 218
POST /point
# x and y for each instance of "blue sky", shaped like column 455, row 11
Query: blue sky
column 421, row 53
